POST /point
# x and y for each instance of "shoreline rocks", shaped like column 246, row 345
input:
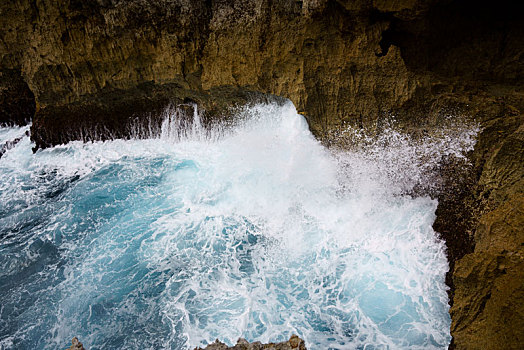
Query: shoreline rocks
column 76, row 345
column 294, row 343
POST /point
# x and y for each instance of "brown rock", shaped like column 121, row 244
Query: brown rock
column 75, row 54
column 293, row 343
column 488, row 281
column 76, row 345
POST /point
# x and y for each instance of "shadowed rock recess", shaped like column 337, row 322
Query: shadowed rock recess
column 95, row 69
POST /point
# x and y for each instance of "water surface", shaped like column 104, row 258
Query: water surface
column 254, row 230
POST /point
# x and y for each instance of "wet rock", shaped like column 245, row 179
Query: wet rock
column 10, row 144
column 17, row 102
column 294, row 343
column 76, row 345
column 487, row 280
column 137, row 112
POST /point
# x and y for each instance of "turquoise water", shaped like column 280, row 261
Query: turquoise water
column 253, row 230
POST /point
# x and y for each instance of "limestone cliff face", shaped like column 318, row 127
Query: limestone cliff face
column 92, row 69
column 489, row 288
column 481, row 216
column 80, row 54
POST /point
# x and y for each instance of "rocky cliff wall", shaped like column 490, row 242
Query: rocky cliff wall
column 91, row 69
column 323, row 55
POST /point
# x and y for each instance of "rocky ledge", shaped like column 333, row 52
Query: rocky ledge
column 76, row 345
column 90, row 69
column 294, row 343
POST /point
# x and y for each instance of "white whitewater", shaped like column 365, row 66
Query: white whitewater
column 253, row 230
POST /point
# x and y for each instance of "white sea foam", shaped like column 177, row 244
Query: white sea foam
column 253, row 230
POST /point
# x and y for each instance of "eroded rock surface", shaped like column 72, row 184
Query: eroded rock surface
column 76, row 345
column 82, row 56
column 17, row 102
column 488, row 310
column 294, row 343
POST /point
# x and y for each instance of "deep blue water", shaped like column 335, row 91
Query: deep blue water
column 256, row 231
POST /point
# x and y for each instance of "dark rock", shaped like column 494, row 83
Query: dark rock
column 10, row 144
column 135, row 112
column 17, row 102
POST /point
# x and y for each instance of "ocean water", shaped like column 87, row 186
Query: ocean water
column 250, row 230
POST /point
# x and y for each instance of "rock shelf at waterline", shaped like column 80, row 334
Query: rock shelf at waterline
column 251, row 230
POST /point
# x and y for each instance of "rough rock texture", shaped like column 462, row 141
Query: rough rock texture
column 93, row 69
column 76, row 345
column 482, row 220
column 489, row 280
column 320, row 54
column 17, row 102
column 294, row 343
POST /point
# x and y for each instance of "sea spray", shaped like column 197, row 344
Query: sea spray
column 251, row 229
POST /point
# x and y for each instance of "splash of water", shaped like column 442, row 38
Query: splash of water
column 253, row 230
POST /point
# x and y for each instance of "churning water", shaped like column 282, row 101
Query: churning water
column 253, row 230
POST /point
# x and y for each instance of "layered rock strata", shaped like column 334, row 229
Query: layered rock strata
column 95, row 69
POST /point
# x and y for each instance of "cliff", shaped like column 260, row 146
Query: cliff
column 92, row 69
